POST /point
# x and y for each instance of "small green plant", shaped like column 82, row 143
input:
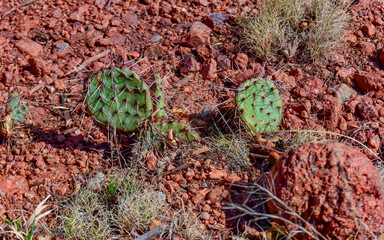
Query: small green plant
column 119, row 99
column 259, row 105
column 113, row 186
column 25, row 231
column 15, row 113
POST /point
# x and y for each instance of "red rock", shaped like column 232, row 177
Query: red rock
column 100, row 3
column 151, row 161
column 177, row 178
column 59, row 84
column 189, row 174
column 170, row 167
column 77, row 16
column 23, row 29
column 84, row 9
column 198, row 35
column 217, row 174
column 29, row 47
column 134, row 55
column 198, row 199
column 204, row 3
column 169, row 186
column 297, row 73
column 374, row 143
column 130, row 19
column 369, row 30
column 367, row 110
column 38, row 66
column 338, row 59
column 207, row 208
column 204, row 216
column 344, row 92
column 30, row 195
column 215, row 195
column 202, row 53
column 320, row 182
column 369, row 81
column 9, row 77
column 286, row 82
column 62, row 49
column 10, row 185
column 378, row 21
column 57, row 13
column 209, row 69
column 309, row 88
column 233, row 178
column 61, row 191
column 188, row 65
column 105, row 42
column 223, row 62
column 204, row 191
column 344, row 73
column 216, row 21
column 185, row 197
column 241, row 60
column 351, row 38
column 331, row 113
column 39, row 163
column 381, row 57
column 367, row 48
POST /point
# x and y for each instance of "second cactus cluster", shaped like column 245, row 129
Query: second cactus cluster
column 119, row 99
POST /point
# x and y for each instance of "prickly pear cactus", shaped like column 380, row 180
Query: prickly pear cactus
column 177, row 132
column 259, row 105
column 15, row 113
column 119, row 99
column 158, row 97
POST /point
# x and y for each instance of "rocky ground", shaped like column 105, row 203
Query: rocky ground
column 193, row 46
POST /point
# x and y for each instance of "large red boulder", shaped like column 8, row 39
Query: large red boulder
column 333, row 187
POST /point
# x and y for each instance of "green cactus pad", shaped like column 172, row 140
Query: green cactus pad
column 119, row 99
column 181, row 132
column 17, row 108
column 15, row 113
column 259, row 105
column 158, row 97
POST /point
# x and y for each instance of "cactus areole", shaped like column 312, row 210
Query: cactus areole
column 119, row 99
column 259, row 105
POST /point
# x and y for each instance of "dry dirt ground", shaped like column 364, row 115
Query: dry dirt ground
column 59, row 147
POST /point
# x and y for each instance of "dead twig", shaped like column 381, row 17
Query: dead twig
column 37, row 87
column 87, row 62
column 17, row 7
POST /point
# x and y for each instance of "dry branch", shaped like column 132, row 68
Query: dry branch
column 87, row 62
column 17, row 7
